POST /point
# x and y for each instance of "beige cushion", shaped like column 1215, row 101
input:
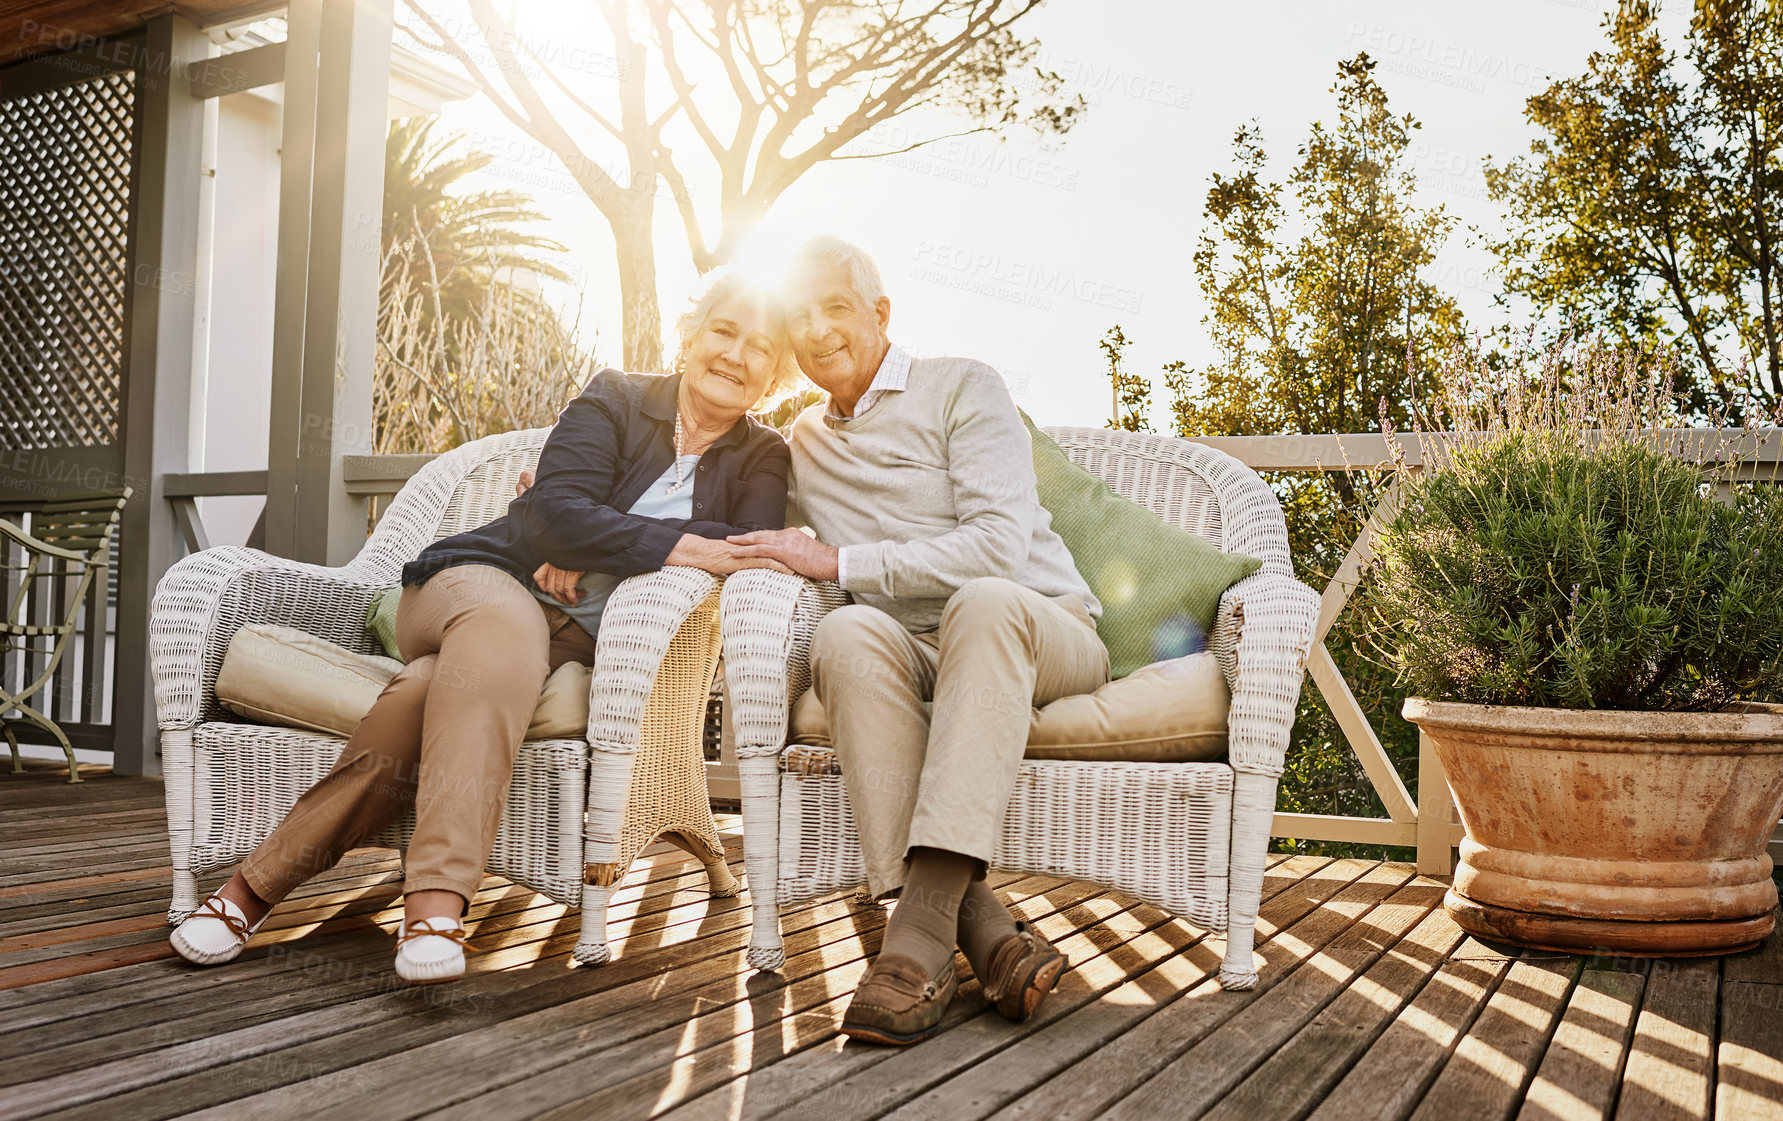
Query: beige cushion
column 1168, row 712
column 562, row 713
column 281, row 675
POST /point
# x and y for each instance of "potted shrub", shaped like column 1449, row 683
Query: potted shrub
column 1591, row 629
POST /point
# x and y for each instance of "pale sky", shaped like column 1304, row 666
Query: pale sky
column 1024, row 257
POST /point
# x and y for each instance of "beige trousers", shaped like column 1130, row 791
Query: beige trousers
column 943, row 781
column 441, row 737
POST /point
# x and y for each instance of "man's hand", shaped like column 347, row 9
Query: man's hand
column 527, row 478
column 794, row 548
column 716, row 557
column 559, row 584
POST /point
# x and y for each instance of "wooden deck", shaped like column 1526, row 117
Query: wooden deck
column 1372, row 1006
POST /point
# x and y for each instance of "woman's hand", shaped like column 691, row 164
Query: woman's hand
column 525, row 481
column 791, row 549
column 559, row 584
column 717, row 557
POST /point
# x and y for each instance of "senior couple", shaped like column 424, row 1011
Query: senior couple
column 917, row 483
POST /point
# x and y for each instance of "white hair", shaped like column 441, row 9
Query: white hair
column 727, row 284
column 862, row 273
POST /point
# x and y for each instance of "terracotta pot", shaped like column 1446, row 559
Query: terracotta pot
column 1626, row 832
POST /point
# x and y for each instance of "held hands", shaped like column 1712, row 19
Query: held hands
column 692, row 550
column 717, row 557
column 559, row 584
column 527, row 478
column 792, row 548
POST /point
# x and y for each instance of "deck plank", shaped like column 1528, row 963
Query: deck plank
column 1581, row 1070
column 825, row 1077
column 1485, row 1077
column 1749, row 1058
column 519, row 1031
column 1101, row 956
column 1389, row 1080
column 1175, row 1022
column 1372, row 1006
column 1293, row 1080
column 987, row 1061
column 1670, row 1070
column 1195, row 1081
column 813, row 1005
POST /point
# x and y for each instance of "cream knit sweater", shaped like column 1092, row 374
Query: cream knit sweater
column 929, row 489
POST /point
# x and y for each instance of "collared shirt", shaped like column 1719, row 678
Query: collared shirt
column 893, row 376
column 608, row 446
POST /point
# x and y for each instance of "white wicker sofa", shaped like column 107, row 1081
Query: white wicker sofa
column 1191, row 838
column 572, row 814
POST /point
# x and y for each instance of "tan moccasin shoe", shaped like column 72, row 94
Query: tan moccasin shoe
column 898, row 1002
column 1024, row 967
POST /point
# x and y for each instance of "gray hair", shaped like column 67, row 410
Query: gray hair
column 862, row 273
column 727, row 285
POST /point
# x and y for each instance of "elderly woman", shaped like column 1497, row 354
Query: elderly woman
column 640, row 471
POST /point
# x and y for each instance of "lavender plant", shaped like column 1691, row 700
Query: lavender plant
column 1570, row 542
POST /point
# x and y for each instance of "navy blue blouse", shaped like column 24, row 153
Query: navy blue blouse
column 607, row 447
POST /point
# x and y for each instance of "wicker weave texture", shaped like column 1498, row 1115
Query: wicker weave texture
column 247, row 778
column 652, row 779
column 229, row 783
column 1192, row 838
column 1162, row 831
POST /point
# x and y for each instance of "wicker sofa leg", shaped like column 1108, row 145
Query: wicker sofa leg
column 177, row 784
column 1253, row 811
column 759, row 777
column 591, row 947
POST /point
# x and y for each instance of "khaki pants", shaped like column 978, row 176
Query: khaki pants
column 442, row 737
column 944, row 782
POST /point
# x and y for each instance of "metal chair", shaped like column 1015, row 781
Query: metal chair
column 70, row 541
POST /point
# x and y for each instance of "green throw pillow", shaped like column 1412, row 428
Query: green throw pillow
column 380, row 620
column 1160, row 586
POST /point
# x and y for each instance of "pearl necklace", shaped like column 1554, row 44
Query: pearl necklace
column 679, row 470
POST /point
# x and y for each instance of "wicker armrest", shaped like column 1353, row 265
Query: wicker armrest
column 205, row 598
column 637, row 626
column 767, row 620
column 1262, row 636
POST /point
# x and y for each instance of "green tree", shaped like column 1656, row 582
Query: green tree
column 1131, row 399
column 1323, row 324
column 1650, row 207
column 1320, row 320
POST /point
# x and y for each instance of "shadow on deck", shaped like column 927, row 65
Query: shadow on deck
column 1373, row 1005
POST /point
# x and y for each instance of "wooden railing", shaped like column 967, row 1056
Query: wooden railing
column 1428, row 823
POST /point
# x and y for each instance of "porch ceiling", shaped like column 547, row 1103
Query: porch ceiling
column 33, row 27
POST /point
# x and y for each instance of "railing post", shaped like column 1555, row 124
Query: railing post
column 1436, row 829
column 160, row 309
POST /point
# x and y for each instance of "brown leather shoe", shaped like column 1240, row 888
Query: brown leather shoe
column 898, row 1002
column 1023, row 969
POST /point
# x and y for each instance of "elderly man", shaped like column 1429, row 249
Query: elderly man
column 917, row 477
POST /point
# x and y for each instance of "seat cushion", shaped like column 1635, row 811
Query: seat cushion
column 284, row 676
column 1172, row 711
column 1160, row 586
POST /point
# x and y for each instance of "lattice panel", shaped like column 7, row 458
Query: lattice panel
column 64, row 207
